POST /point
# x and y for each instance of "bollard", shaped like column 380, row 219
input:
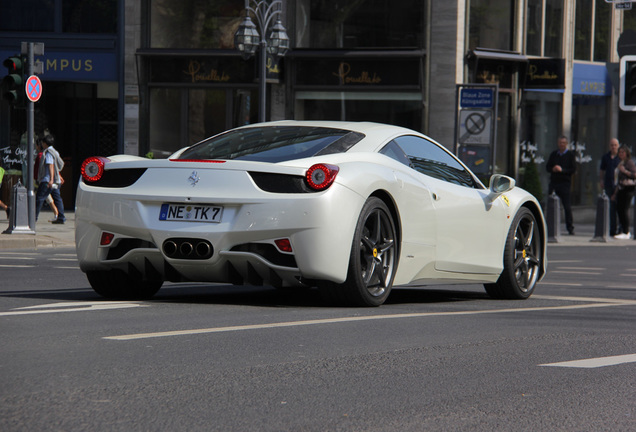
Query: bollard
column 19, row 218
column 601, row 229
column 553, row 218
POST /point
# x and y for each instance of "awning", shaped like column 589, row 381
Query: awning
column 498, row 55
column 490, row 66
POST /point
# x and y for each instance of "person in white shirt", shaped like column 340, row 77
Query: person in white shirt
column 49, row 179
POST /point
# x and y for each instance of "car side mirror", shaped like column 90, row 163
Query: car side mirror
column 501, row 184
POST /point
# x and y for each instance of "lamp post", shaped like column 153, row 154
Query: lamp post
column 248, row 39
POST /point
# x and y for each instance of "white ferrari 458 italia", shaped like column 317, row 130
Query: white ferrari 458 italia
column 351, row 208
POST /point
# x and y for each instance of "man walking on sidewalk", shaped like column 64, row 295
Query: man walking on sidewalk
column 49, row 179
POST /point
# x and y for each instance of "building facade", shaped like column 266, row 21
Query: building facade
column 169, row 74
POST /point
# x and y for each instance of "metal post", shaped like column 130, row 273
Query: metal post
column 553, row 218
column 601, row 229
column 30, row 145
column 262, row 88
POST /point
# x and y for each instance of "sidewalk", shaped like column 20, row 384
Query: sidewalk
column 46, row 233
column 50, row 235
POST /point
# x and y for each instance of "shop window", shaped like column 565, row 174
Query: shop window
column 165, row 122
column 180, row 117
column 539, row 129
column 89, row 16
column 77, row 16
column 629, row 20
column 582, row 30
column 490, row 24
column 27, row 15
column 602, row 23
column 534, row 27
column 360, row 24
column 544, row 26
column 588, row 140
column 194, row 24
column 592, row 30
column 397, row 108
column 553, row 39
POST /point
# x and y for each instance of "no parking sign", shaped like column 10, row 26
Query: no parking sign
column 33, row 88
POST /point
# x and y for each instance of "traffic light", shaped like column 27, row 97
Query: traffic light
column 13, row 83
column 627, row 96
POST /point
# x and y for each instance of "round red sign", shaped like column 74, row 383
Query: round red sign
column 33, row 88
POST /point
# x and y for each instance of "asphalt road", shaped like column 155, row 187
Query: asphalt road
column 220, row 358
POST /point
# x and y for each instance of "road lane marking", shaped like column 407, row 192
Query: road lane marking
column 560, row 283
column 597, row 303
column 624, row 286
column 583, row 268
column 17, row 258
column 564, row 261
column 595, row 362
column 576, row 272
column 13, row 253
column 17, row 265
column 71, row 307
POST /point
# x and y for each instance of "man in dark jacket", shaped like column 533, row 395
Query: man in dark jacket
column 561, row 166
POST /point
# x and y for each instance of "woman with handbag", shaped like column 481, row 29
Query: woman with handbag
column 626, row 183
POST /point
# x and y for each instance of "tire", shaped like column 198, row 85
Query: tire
column 373, row 259
column 522, row 259
column 116, row 284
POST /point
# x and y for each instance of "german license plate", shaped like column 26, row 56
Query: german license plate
column 190, row 213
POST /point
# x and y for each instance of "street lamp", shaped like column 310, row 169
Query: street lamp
column 248, row 39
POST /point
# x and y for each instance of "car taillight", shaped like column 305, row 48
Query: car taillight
column 107, row 238
column 321, row 176
column 284, row 245
column 93, row 168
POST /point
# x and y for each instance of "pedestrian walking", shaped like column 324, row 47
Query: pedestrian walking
column 49, row 179
column 38, row 158
column 609, row 163
column 562, row 166
column 626, row 184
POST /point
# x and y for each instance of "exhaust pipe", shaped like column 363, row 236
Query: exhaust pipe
column 187, row 248
column 203, row 250
column 170, row 248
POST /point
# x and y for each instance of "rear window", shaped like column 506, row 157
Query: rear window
column 274, row 144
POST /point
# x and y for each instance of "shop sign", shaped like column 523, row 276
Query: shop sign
column 12, row 158
column 590, row 80
column 204, row 70
column 76, row 66
column 495, row 72
column 545, row 73
column 358, row 72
